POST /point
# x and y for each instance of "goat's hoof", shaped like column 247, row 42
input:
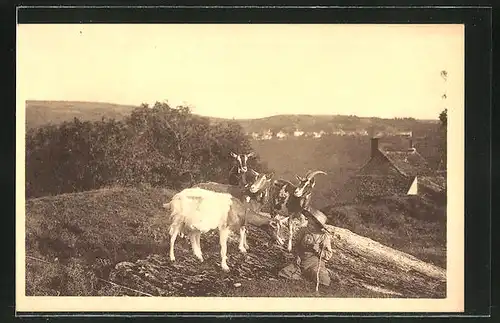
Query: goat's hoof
column 225, row 268
column 200, row 258
column 246, row 246
column 243, row 250
column 172, row 259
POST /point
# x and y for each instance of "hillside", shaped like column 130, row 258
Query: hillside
column 39, row 113
column 45, row 112
column 330, row 123
column 412, row 224
column 77, row 244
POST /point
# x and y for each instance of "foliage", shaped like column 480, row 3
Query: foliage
column 157, row 146
column 443, row 119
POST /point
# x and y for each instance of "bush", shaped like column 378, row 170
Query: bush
column 157, row 146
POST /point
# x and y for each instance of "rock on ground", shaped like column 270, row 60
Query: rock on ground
column 352, row 265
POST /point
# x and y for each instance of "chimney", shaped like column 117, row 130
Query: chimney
column 410, row 142
column 374, row 145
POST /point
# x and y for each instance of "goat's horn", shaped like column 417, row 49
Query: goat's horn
column 316, row 172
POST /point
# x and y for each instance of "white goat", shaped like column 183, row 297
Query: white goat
column 195, row 211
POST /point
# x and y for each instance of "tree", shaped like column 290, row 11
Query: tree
column 443, row 118
column 158, row 145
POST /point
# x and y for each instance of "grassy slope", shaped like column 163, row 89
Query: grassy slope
column 90, row 232
column 79, row 230
column 40, row 113
column 410, row 224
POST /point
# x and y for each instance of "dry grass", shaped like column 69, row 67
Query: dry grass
column 410, row 224
column 84, row 235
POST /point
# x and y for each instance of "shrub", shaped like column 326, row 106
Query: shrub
column 155, row 146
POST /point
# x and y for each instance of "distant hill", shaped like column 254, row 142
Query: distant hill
column 39, row 113
column 332, row 123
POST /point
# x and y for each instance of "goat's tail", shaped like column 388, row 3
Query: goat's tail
column 167, row 206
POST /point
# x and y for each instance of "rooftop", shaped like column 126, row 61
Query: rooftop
column 410, row 163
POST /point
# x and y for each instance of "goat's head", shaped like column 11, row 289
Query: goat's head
column 261, row 181
column 307, row 183
column 282, row 189
column 241, row 160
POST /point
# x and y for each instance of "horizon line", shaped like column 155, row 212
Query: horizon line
column 229, row 118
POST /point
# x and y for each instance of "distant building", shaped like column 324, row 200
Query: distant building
column 399, row 172
column 266, row 135
column 405, row 134
column 255, row 136
column 316, row 134
column 298, row 133
column 281, row 135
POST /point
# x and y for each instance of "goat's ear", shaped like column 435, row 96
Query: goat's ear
column 270, row 175
column 251, row 154
column 254, row 172
column 299, row 178
column 313, row 182
column 233, row 154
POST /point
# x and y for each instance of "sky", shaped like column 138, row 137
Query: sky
column 248, row 70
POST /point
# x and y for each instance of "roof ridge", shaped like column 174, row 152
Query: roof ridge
column 393, row 164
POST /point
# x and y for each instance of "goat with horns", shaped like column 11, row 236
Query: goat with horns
column 293, row 199
column 238, row 174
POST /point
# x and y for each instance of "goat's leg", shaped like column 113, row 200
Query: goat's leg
column 174, row 231
column 243, row 229
column 198, row 246
column 242, row 239
column 245, row 239
column 290, row 233
column 195, row 245
column 223, row 235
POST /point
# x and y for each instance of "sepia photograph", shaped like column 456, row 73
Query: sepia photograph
column 240, row 167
